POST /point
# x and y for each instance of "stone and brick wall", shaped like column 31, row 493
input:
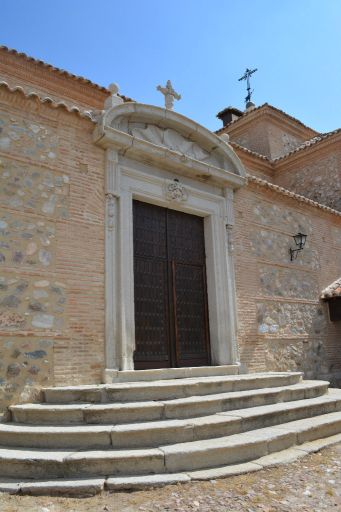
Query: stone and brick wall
column 52, row 258
column 51, row 248
column 317, row 176
column 282, row 323
column 268, row 132
column 281, row 141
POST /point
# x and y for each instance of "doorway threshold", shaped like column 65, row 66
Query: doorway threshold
column 112, row 376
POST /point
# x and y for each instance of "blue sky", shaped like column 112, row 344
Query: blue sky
column 203, row 46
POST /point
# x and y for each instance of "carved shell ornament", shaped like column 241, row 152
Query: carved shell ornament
column 175, row 191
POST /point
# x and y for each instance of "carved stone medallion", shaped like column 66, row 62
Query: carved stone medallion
column 175, row 191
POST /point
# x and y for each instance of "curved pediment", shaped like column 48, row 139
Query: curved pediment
column 172, row 139
column 149, row 133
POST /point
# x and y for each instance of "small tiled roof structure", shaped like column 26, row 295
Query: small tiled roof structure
column 332, row 291
column 263, row 108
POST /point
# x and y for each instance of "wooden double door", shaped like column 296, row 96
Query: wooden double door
column 171, row 314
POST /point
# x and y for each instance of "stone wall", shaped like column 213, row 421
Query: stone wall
column 51, row 249
column 282, row 324
column 281, row 141
column 26, row 365
column 319, row 178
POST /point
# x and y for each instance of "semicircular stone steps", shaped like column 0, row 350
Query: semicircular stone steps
column 168, row 389
column 133, row 434
column 178, row 408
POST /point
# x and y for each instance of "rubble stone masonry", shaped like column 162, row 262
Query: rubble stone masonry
column 317, row 177
column 51, row 249
column 282, row 324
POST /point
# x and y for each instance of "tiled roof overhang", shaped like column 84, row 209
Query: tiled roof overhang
column 332, row 291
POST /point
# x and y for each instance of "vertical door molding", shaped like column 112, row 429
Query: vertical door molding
column 111, row 235
column 125, row 293
column 126, row 184
column 229, row 196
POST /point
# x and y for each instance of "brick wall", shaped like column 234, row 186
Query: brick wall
column 267, row 136
column 19, row 70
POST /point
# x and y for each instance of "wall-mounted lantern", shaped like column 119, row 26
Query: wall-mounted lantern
column 300, row 240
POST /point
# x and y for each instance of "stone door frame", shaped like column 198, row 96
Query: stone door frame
column 153, row 175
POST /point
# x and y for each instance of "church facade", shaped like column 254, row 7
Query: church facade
column 131, row 237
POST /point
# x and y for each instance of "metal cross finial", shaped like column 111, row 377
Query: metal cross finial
column 246, row 77
column 169, row 94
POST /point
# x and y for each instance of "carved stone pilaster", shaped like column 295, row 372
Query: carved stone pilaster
column 229, row 236
column 111, row 242
column 112, row 174
column 229, row 196
column 110, row 198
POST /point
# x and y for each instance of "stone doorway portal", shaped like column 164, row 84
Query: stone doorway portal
column 159, row 157
column 170, row 295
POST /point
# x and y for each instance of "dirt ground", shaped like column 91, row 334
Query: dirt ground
column 311, row 484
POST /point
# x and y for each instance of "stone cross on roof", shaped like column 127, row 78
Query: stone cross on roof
column 169, row 94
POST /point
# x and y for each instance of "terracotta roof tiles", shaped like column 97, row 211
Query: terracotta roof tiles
column 46, row 99
column 246, row 150
column 53, row 68
column 309, row 143
column 333, row 290
column 61, row 71
column 276, row 188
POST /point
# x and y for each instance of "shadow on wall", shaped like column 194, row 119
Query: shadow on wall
column 26, row 364
column 292, row 337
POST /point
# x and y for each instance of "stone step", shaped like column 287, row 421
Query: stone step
column 114, row 376
column 65, row 414
column 189, row 456
column 249, row 445
column 81, row 487
column 154, row 434
column 168, row 389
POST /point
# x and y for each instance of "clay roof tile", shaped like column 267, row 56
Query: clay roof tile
column 332, row 291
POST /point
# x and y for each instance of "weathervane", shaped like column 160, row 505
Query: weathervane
column 169, row 94
column 246, row 77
